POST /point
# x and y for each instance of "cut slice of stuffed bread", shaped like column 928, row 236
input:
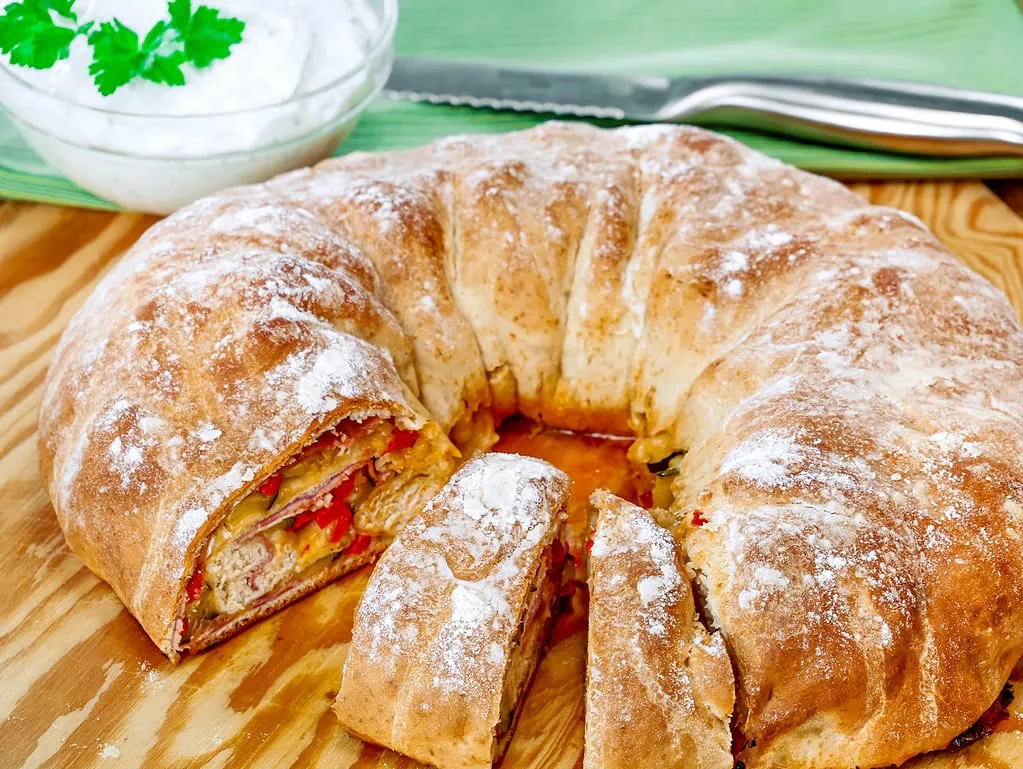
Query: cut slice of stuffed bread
column 659, row 687
column 456, row 615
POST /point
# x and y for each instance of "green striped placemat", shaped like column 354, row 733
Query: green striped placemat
column 969, row 43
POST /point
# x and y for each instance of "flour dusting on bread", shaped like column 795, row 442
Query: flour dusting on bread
column 445, row 637
column 660, row 689
column 479, row 539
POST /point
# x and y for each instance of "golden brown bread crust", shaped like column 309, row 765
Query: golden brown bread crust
column 999, row 746
column 659, row 688
column 850, row 395
column 435, row 631
column 403, row 223
column 1002, row 750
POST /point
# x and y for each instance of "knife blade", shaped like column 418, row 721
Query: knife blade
column 564, row 93
column 896, row 116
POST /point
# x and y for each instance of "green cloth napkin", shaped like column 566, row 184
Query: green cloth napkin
column 968, row 43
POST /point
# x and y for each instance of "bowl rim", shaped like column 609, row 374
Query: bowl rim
column 316, row 132
column 383, row 40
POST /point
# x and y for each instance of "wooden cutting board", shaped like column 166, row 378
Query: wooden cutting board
column 80, row 683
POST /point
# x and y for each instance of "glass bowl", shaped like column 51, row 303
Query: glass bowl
column 158, row 163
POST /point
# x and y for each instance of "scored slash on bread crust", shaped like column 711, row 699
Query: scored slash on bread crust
column 437, row 630
column 659, row 687
column 849, row 394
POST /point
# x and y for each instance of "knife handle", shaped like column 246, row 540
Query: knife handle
column 889, row 116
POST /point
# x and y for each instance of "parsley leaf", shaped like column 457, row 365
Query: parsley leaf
column 31, row 36
column 180, row 12
column 206, row 34
column 162, row 57
column 119, row 57
column 115, row 56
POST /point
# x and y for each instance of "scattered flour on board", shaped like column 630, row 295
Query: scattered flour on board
column 110, row 751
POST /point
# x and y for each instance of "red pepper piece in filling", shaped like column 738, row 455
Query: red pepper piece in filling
column 271, row 485
column 301, row 520
column 326, row 515
column 337, row 515
column 193, row 590
column 359, row 545
column 402, row 439
column 342, row 523
column 589, row 546
column 647, row 499
column 698, row 518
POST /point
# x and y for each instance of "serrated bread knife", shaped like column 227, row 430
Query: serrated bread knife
column 891, row 116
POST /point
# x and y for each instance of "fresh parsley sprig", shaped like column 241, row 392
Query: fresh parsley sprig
column 31, row 35
column 196, row 37
column 35, row 33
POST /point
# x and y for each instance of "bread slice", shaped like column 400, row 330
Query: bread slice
column 456, row 614
column 659, row 688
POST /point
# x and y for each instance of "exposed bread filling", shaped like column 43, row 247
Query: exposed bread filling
column 665, row 471
column 317, row 508
column 534, row 628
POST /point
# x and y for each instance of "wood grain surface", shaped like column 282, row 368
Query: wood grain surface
column 82, row 686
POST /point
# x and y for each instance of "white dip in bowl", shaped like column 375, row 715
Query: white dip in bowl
column 288, row 94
